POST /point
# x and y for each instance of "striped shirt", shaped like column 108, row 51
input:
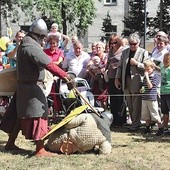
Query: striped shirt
column 151, row 94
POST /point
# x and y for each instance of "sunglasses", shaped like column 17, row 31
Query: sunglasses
column 134, row 44
column 114, row 42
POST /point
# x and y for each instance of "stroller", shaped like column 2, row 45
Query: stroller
column 70, row 100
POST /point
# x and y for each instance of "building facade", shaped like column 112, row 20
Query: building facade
column 117, row 9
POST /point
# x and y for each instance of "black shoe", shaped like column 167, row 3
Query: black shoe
column 127, row 125
column 134, row 129
column 167, row 132
column 147, row 131
column 160, row 132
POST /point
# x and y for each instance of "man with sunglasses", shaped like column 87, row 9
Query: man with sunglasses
column 128, row 77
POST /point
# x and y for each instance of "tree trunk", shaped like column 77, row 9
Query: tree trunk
column 161, row 10
column 64, row 24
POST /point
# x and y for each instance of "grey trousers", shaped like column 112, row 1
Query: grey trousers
column 134, row 102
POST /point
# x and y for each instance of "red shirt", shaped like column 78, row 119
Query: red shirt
column 55, row 55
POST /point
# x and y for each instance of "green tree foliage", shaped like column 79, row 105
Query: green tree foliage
column 85, row 14
column 108, row 28
column 7, row 2
column 77, row 13
column 161, row 21
column 134, row 22
column 6, row 5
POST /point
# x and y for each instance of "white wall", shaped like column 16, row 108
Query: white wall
column 116, row 13
column 152, row 7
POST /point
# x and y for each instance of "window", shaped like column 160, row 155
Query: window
column 110, row 2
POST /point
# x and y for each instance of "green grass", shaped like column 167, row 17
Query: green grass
column 131, row 151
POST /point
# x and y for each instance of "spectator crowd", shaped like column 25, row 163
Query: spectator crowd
column 118, row 72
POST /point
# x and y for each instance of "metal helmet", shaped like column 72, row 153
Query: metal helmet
column 39, row 27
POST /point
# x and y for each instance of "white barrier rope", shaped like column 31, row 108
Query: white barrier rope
column 139, row 94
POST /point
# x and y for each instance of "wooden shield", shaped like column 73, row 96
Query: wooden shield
column 68, row 118
column 8, row 81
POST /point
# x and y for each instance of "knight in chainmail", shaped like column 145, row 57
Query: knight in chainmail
column 83, row 133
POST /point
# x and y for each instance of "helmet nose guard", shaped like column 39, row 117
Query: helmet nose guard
column 39, row 27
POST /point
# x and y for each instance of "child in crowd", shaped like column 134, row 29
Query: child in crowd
column 54, row 30
column 63, row 39
column 149, row 97
column 165, row 91
column 96, row 68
